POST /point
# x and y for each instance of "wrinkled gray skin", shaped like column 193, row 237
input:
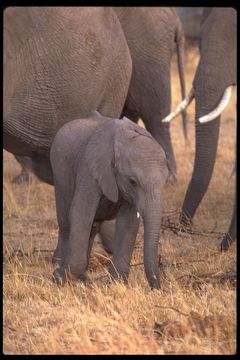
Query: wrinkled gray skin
column 215, row 72
column 99, row 180
column 152, row 34
column 59, row 64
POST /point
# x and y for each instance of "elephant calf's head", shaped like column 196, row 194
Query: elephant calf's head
column 124, row 157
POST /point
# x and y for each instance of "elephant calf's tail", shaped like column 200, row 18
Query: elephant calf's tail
column 180, row 43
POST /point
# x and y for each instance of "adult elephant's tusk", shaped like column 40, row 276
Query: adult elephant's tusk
column 219, row 109
column 182, row 106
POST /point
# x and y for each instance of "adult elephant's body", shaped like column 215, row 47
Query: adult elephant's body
column 59, row 64
column 216, row 71
column 152, row 34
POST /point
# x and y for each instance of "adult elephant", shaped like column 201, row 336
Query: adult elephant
column 215, row 75
column 151, row 34
column 60, row 63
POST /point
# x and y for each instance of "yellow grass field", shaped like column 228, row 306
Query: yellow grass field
column 193, row 313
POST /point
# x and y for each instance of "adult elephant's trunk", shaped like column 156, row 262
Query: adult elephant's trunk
column 206, row 147
column 216, row 71
column 208, row 94
column 152, row 226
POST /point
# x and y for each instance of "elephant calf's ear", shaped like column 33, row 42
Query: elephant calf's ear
column 99, row 155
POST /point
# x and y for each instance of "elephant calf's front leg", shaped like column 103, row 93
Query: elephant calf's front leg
column 59, row 251
column 126, row 231
column 77, row 247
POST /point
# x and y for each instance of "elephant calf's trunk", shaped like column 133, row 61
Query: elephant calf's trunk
column 152, row 226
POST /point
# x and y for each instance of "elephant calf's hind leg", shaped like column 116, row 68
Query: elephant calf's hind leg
column 126, row 231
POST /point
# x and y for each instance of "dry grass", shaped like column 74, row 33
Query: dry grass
column 195, row 311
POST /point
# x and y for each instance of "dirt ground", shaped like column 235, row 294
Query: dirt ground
column 193, row 313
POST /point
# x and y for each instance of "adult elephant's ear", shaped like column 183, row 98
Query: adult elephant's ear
column 99, row 157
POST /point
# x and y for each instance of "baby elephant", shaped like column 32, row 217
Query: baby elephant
column 105, row 168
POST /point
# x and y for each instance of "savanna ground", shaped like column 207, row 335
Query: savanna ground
column 193, row 313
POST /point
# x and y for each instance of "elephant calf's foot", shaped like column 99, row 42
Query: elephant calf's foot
column 56, row 260
column 226, row 242
column 62, row 275
column 117, row 275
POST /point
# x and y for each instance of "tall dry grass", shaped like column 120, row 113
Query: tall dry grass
column 193, row 313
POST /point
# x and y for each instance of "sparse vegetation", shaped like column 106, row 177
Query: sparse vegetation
column 193, row 313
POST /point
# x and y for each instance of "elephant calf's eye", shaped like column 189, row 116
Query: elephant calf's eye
column 132, row 181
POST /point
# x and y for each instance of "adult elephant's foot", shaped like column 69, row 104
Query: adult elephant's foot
column 185, row 222
column 21, row 178
column 226, row 242
column 172, row 179
column 61, row 276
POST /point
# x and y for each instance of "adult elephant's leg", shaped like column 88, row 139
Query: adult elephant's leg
column 155, row 105
column 127, row 225
column 26, row 164
column 39, row 164
column 230, row 236
column 130, row 114
column 42, row 168
column 161, row 132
